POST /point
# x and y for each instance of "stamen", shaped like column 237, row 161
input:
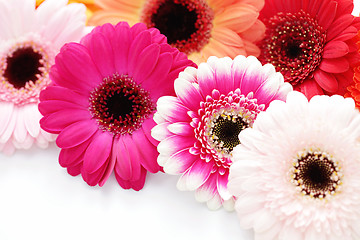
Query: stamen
column 119, row 105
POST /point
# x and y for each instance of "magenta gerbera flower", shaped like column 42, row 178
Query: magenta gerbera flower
column 104, row 98
column 199, row 128
column 311, row 42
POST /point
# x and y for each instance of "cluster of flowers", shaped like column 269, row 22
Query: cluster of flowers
column 242, row 98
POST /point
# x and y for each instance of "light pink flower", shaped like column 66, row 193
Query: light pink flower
column 296, row 172
column 29, row 40
column 104, row 98
column 199, row 127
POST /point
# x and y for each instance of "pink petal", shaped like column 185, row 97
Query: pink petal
column 181, row 128
column 174, row 144
column 136, row 185
column 108, row 170
column 147, row 125
column 102, row 54
column 145, row 63
column 222, row 188
column 64, row 94
column 59, row 120
column 198, row 174
column 121, row 48
column 206, row 78
column 8, row 131
column 188, row 93
column 160, row 131
column 334, row 65
column 148, row 153
column 73, row 156
column 128, row 164
column 20, row 131
column 93, row 178
column 172, row 109
column 51, row 106
column 141, row 41
column 75, row 170
column 32, row 119
column 326, row 81
column 335, row 49
column 208, row 190
column 6, row 109
column 76, row 133
column 180, row 162
column 97, row 152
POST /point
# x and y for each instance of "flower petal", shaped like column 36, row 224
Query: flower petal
column 76, row 133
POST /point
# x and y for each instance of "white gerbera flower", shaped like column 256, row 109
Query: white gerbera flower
column 29, row 40
column 296, row 172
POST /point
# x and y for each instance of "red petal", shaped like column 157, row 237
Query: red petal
column 326, row 81
column 336, row 65
column 335, row 49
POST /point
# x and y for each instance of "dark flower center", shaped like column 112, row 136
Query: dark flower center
column 294, row 44
column 119, row 105
column 23, row 66
column 185, row 23
column 227, row 131
column 317, row 174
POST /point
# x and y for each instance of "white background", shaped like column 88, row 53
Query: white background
column 39, row 200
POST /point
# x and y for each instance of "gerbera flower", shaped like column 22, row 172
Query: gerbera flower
column 199, row 128
column 199, row 28
column 354, row 88
column 90, row 5
column 104, row 98
column 29, row 41
column 296, row 173
column 311, row 43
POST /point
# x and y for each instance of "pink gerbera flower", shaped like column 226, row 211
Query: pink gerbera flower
column 311, row 42
column 29, row 41
column 104, row 98
column 199, row 128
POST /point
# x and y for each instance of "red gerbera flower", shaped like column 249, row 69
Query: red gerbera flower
column 311, row 42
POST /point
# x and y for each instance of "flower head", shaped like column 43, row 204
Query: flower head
column 103, row 101
column 199, row 128
column 29, row 40
column 311, row 42
column 295, row 173
column 199, row 28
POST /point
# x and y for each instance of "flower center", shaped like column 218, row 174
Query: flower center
column 24, row 70
column 316, row 173
column 119, row 105
column 294, row 44
column 218, row 123
column 186, row 23
column 23, row 66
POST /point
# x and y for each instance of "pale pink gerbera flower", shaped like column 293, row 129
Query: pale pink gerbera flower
column 104, row 99
column 311, row 42
column 296, row 173
column 199, row 128
column 29, row 41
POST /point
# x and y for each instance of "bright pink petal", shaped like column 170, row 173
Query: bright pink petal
column 172, row 109
column 147, row 125
column 59, row 120
column 181, row 128
column 148, row 153
column 222, row 182
column 188, row 93
column 76, row 134
column 64, row 94
column 206, row 78
column 73, row 156
column 174, row 144
column 75, row 169
column 121, row 48
column 198, row 174
column 336, row 65
column 48, row 107
column 140, row 42
column 136, row 185
column 128, row 164
column 98, row 151
column 180, row 162
column 93, row 178
column 145, row 63
column 102, row 54
column 326, row 81
column 335, row 49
